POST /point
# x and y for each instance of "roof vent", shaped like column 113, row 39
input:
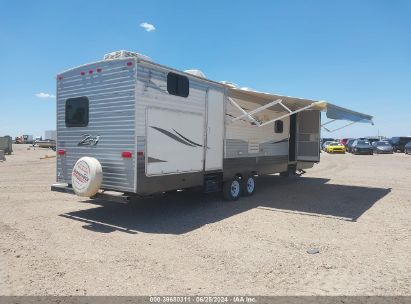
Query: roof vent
column 197, row 73
column 125, row 54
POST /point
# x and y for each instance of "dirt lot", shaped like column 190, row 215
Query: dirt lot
column 355, row 209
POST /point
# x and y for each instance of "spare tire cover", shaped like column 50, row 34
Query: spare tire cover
column 87, row 176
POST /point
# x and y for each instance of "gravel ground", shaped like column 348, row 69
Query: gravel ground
column 355, row 209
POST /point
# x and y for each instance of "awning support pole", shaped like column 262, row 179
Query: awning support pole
column 328, row 130
column 284, row 106
column 328, row 122
column 259, row 109
column 245, row 114
column 289, row 114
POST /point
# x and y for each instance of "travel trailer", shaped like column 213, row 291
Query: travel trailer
column 131, row 125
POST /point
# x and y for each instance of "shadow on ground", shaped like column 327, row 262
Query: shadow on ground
column 185, row 211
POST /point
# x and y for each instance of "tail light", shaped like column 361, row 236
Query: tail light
column 126, row 154
column 61, row 152
column 130, row 63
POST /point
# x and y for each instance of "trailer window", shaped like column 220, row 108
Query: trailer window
column 177, row 85
column 77, row 112
column 278, row 126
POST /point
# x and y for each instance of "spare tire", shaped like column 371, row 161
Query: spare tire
column 87, row 176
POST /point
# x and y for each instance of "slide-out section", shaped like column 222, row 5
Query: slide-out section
column 175, row 142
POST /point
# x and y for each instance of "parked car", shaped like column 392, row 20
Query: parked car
column 348, row 145
column 362, row 147
column 345, row 140
column 380, row 147
column 335, row 147
column 407, row 148
column 325, row 144
column 372, row 140
column 398, row 143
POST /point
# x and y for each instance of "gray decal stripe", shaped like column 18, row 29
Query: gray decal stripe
column 190, row 141
column 155, row 160
column 175, row 137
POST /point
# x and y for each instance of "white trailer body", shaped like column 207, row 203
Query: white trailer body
column 156, row 129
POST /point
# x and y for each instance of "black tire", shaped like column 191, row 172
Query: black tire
column 232, row 189
column 285, row 174
column 248, row 186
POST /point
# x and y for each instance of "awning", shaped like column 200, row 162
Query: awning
column 293, row 105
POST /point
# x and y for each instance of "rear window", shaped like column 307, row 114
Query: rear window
column 177, row 85
column 77, row 112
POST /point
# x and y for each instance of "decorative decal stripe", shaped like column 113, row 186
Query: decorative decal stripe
column 155, row 160
column 171, row 135
column 280, row 141
column 190, row 141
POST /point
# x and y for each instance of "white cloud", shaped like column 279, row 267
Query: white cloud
column 44, row 95
column 147, row 26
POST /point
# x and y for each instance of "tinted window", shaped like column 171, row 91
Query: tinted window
column 383, row 143
column 177, row 85
column 77, row 112
column 363, row 142
column 278, row 126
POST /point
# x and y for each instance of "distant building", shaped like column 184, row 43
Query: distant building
column 50, row 134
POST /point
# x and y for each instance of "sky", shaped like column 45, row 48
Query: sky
column 355, row 54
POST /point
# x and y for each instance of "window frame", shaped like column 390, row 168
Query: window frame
column 87, row 114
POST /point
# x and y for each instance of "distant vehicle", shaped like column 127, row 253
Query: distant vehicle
column 325, row 144
column 381, row 147
column 24, row 139
column 407, row 148
column 335, row 147
column 372, row 140
column 362, row 147
column 345, row 140
column 348, row 145
column 6, row 144
column 398, row 143
column 47, row 143
column 323, row 140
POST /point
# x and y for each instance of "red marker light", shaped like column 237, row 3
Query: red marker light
column 99, row 70
column 140, row 153
column 59, row 77
column 90, row 72
column 61, row 152
column 82, row 73
column 129, row 63
column 126, row 154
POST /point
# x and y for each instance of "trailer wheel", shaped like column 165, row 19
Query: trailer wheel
column 232, row 189
column 285, row 174
column 248, row 186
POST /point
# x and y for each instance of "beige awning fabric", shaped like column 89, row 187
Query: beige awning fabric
column 293, row 103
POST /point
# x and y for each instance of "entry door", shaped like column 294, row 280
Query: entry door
column 215, row 130
column 308, row 136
